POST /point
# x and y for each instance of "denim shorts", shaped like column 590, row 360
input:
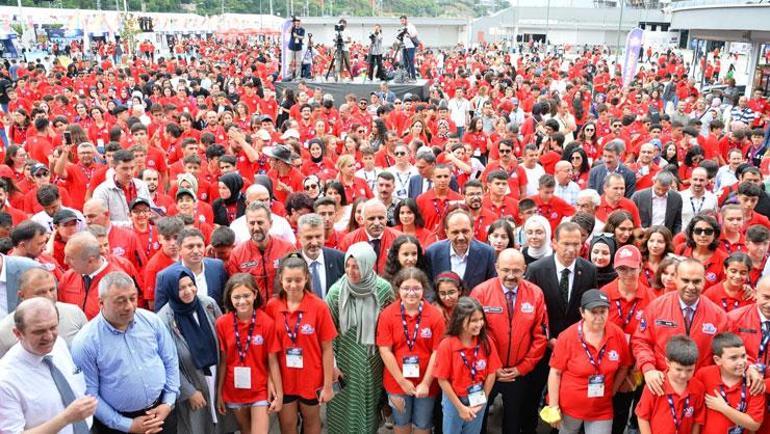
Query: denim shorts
column 418, row 412
column 236, row 405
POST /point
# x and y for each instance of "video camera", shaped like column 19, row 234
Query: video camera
column 339, row 27
column 402, row 31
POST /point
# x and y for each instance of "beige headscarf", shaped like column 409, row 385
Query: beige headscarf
column 358, row 301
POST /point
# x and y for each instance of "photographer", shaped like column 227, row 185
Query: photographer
column 375, row 54
column 407, row 34
column 296, row 41
column 342, row 42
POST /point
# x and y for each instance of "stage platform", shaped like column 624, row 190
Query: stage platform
column 361, row 89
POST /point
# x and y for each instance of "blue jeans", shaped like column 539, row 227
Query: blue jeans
column 452, row 422
column 418, row 412
column 409, row 62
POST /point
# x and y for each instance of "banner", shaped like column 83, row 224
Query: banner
column 285, row 56
column 631, row 61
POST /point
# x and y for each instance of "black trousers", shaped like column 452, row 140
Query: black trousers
column 515, row 394
column 624, row 405
column 375, row 60
column 169, row 424
column 534, row 383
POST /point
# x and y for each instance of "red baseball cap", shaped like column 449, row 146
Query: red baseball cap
column 628, row 256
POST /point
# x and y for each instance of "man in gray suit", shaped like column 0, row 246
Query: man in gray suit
column 11, row 268
column 611, row 159
column 660, row 205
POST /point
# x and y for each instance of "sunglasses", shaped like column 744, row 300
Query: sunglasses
column 41, row 175
column 703, row 231
column 576, row 157
column 590, row 129
column 399, row 154
column 311, row 186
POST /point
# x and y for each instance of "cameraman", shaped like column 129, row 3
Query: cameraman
column 342, row 42
column 410, row 41
column 295, row 47
column 375, row 53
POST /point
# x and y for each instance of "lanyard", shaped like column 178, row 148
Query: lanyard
column 149, row 239
column 411, row 342
column 241, row 350
column 437, row 208
column 471, row 366
column 742, row 404
column 736, row 304
column 763, row 343
column 626, row 319
column 677, row 420
column 292, row 335
column 692, row 203
column 596, row 363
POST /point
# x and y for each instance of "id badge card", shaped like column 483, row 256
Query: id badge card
column 761, row 368
column 294, row 358
column 596, row 386
column 411, row 367
column 242, row 377
column 476, row 395
column 735, row 430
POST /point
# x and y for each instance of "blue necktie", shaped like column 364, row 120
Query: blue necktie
column 66, row 393
column 316, row 279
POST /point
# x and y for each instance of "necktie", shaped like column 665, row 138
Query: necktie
column 315, row 279
column 688, row 314
column 87, row 282
column 376, row 243
column 65, row 391
column 510, row 299
column 765, row 328
column 564, row 285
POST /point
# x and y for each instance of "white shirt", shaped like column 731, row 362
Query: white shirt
column 280, row 228
column 659, row 208
column 533, row 178
column 4, row 291
column 570, row 277
column 458, row 111
column 28, row 394
column 71, row 320
column 46, row 220
column 401, row 190
column 321, row 269
column 200, row 281
column 458, row 262
column 692, row 205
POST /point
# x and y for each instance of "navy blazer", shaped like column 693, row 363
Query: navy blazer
column 213, row 269
column 480, row 267
column 415, row 186
column 334, row 266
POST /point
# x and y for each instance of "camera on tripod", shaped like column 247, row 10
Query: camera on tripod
column 402, row 31
column 339, row 27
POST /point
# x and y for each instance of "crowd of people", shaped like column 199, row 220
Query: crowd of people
column 185, row 251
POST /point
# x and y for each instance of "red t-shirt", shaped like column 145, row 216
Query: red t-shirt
column 433, row 208
column 657, row 411
column 571, row 359
column 390, row 333
column 451, row 367
column 721, row 298
column 157, row 263
column 263, row 342
column 316, row 326
column 716, row 422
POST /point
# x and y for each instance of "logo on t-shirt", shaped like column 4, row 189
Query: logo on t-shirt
column 307, row 329
column 709, row 328
column 118, row 251
column 426, row 333
column 527, row 308
column 258, row 340
column 613, row 356
column 481, row 364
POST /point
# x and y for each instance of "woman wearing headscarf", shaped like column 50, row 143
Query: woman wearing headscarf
column 201, row 210
column 190, row 318
column 356, row 301
column 601, row 254
column 231, row 203
column 537, row 230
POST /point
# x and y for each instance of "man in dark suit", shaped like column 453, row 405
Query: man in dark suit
column 374, row 231
column 425, row 162
column 660, row 205
column 192, row 246
column 611, row 159
column 326, row 265
column 563, row 277
column 471, row 259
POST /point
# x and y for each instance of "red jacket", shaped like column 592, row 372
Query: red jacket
column 663, row 318
column 359, row 235
column 247, row 258
column 521, row 340
column 745, row 322
column 71, row 290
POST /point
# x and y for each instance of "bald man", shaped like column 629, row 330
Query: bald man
column 38, row 282
column 517, row 321
column 280, row 227
column 566, row 189
column 41, row 390
column 123, row 242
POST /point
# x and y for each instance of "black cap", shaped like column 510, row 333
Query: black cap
column 119, row 109
column 266, row 118
column 185, row 191
column 594, row 298
column 138, row 201
column 64, row 215
column 279, row 152
column 38, row 167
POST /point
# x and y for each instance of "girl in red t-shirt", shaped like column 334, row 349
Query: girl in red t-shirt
column 305, row 331
column 248, row 355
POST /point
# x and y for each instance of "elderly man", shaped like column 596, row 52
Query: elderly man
column 588, row 201
column 37, row 282
column 123, row 242
column 660, row 205
column 697, row 198
column 136, row 394
column 566, row 188
column 280, row 227
column 326, row 265
column 374, row 231
column 41, row 391
column 259, row 255
column 611, row 157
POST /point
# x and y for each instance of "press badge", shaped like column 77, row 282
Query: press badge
column 242, row 377
column 411, row 367
column 476, row 395
column 294, row 358
column 735, row 430
column 596, row 386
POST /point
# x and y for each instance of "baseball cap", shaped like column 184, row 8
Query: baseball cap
column 628, row 256
column 290, row 133
column 183, row 191
column 594, row 298
column 139, row 201
column 64, row 216
column 37, row 168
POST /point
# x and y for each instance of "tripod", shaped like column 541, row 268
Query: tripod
column 399, row 68
column 339, row 52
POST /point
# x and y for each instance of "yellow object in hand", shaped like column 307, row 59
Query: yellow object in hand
column 550, row 415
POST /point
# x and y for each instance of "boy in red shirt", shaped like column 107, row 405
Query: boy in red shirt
column 731, row 408
column 680, row 409
column 553, row 208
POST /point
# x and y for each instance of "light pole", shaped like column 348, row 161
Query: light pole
column 547, row 22
column 620, row 22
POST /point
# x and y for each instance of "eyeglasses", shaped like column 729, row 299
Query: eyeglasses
column 576, row 158
column 311, row 186
column 616, row 126
column 397, row 102
column 140, row 211
column 703, row 231
column 41, row 175
column 399, row 154
column 445, row 294
column 412, row 289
